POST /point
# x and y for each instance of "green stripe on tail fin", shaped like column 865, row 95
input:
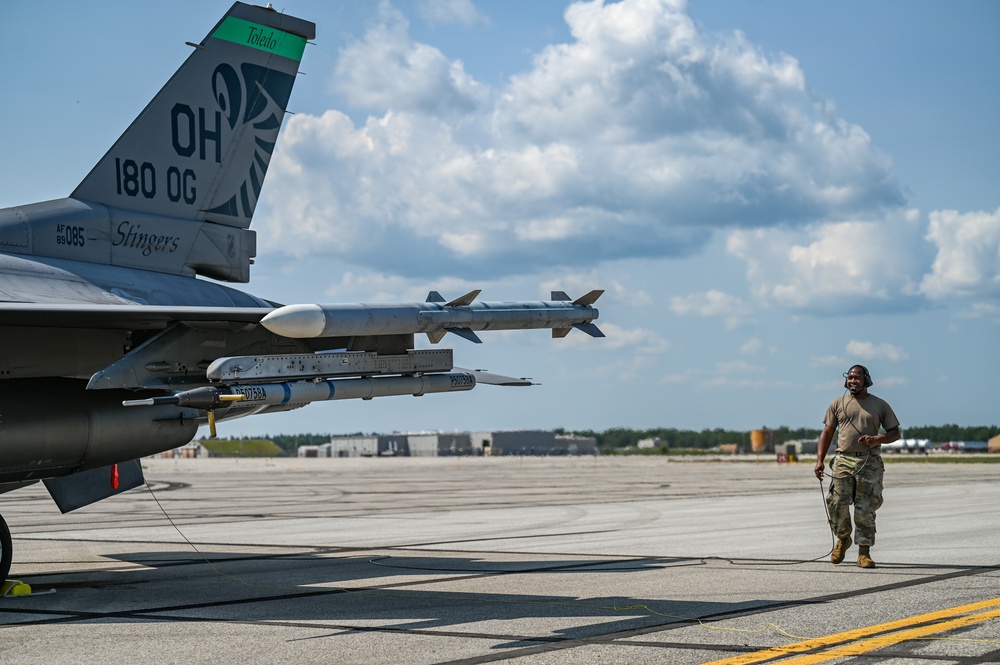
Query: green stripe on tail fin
column 261, row 37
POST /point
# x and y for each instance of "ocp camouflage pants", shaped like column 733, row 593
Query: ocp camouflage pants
column 858, row 481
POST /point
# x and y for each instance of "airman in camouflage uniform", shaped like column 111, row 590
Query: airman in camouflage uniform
column 857, row 468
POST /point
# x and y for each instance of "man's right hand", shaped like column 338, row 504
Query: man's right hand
column 819, row 469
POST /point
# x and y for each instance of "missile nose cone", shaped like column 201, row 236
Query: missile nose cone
column 299, row 321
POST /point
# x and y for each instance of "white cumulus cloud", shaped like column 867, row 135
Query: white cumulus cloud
column 387, row 70
column 851, row 266
column 642, row 341
column 712, row 303
column 968, row 255
column 444, row 12
column 872, row 351
column 639, row 137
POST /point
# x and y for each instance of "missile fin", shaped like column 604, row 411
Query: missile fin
column 434, row 296
column 465, row 333
column 589, row 328
column 560, row 296
column 437, row 335
column 558, row 333
column 491, row 379
column 464, row 300
column 588, row 299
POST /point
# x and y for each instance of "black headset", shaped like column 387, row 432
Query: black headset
column 868, row 376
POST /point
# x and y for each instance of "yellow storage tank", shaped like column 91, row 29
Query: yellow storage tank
column 761, row 440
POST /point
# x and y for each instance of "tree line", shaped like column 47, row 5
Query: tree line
column 623, row 437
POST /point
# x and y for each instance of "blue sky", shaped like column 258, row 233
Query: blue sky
column 769, row 192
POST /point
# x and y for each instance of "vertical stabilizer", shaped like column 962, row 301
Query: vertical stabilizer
column 201, row 148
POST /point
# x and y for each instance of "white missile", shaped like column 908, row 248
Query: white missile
column 435, row 317
column 298, row 393
column 257, row 397
column 303, row 392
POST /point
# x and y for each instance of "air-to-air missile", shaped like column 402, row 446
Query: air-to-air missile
column 287, row 381
column 296, row 393
column 293, row 394
column 462, row 316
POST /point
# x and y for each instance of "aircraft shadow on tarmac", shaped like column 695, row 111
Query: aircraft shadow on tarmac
column 383, row 589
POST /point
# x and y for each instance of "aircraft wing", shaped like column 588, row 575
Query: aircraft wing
column 121, row 316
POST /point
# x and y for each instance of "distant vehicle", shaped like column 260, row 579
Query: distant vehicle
column 967, row 446
column 112, row 348
column 908, row 445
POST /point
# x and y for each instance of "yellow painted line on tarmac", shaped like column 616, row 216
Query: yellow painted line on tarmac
column 865, row 646
column 870, row 644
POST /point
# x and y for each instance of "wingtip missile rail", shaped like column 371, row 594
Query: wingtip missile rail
column 462, row 316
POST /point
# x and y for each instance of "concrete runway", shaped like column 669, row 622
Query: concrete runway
column 521, row 560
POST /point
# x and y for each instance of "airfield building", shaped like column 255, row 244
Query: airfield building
column 437, row 444
column 386, row 445
column 440, row 444
column 797, row 447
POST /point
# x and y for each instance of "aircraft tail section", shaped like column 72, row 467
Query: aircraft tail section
column 200, row 149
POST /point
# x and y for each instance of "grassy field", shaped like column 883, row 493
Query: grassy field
column 242, row 448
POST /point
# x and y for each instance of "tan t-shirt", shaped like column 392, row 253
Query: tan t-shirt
column 855, row 417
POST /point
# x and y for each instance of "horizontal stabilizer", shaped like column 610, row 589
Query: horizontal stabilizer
column 86, row 487
column 589, row 328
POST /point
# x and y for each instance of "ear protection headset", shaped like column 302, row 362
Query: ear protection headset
column 868, row 376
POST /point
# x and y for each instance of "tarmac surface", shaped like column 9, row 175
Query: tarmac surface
column 503, row 560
